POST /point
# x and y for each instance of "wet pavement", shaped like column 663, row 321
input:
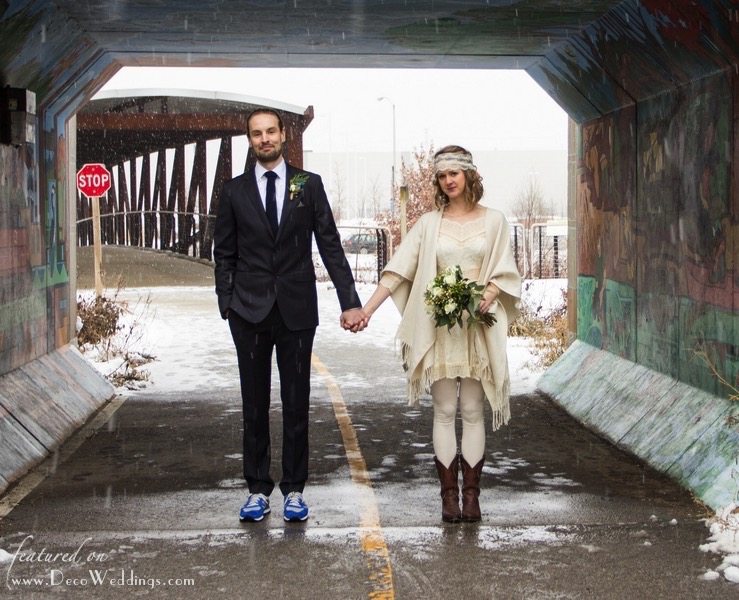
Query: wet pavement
column 147, row 506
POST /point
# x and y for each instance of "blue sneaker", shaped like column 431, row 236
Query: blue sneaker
column 295, row 507
column 257, row 505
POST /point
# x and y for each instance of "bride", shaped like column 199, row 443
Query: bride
column 464, row 365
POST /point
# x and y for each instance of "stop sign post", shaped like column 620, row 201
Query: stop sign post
column 93, row 180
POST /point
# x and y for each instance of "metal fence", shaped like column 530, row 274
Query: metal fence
column 540, row 251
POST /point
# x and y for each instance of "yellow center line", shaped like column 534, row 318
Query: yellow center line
column 371, row 536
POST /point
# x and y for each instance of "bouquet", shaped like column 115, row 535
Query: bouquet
column 449, row 296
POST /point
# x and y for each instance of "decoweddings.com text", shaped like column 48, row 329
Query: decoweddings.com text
column 67, row 569
column 98, row 578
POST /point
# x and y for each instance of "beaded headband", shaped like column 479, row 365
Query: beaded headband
column 453, row 161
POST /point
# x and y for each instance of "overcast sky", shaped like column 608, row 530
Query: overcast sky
column 478, row 109
column 482, row 110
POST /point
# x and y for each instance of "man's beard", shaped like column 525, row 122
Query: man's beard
column 269, row 155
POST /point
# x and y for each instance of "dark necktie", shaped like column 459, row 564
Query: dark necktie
column 271, row 200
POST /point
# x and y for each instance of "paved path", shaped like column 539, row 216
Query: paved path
column 147, row 497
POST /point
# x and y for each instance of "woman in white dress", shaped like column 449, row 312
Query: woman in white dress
column 463, row 366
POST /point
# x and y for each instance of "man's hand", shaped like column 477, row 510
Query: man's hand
column 354, row 320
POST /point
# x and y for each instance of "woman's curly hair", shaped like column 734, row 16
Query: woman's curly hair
column 473, row 189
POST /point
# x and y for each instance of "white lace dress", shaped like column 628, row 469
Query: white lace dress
column 460, row 244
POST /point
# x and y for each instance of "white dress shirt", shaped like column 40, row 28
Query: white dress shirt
column 280, row 183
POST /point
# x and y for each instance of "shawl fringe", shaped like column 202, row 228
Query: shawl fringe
column 421, row 384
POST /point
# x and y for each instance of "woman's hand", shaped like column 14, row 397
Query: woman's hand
column 354, row 320
column 489, row 296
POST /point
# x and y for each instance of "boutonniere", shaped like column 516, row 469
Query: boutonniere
column 296, row 184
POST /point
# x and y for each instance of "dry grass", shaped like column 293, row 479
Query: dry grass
column 551, row 334
column 733, row 392
column 551, row 343
column 527, row 325
column 130, row 373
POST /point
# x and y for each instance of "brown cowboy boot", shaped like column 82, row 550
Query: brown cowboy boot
column 449, row 490
column 471, row 491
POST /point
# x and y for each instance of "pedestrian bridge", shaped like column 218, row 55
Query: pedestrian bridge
column 169, row 215
column 653, row 86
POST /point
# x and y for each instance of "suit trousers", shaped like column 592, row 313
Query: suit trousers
column 254, row 344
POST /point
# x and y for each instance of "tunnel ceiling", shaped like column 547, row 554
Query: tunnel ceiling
column 593, row 57
column 354, row 32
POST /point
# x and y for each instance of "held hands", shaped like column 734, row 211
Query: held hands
column 354, row 319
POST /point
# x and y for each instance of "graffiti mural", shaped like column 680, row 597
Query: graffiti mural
column 23, row 319
column 605, row 201
column 657, row 254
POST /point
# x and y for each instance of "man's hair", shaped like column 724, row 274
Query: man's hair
column 264, row 111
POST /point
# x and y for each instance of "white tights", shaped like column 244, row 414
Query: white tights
column 445, row 393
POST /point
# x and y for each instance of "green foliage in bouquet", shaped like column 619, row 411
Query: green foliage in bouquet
column 450, row 296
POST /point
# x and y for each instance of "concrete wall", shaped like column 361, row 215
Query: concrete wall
column 24, row 326
column 41, row 51
column 657, row 219
column 654, row 86
column 655, row 89
column 46, row 389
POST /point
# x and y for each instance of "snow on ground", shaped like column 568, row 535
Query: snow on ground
column 541, row 297
column 181, row 328
column 724, row 539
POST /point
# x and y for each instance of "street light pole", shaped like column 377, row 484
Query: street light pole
column 392, row 180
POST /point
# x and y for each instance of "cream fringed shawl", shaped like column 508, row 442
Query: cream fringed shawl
column 415, row 263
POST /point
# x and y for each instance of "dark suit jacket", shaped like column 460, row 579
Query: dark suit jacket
column 254, row 269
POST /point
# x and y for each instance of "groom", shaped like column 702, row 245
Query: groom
column 265, row 282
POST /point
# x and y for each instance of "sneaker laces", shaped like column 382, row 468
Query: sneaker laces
column 255, row 498
column 294, row 500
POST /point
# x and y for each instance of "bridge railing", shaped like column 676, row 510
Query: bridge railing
column 191, row 234
column 185, row 233
column 538, row 255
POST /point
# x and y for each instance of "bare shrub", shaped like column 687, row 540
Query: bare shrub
column 104, row 334
column 731, row 390
column 418, row 177
column 100, row 319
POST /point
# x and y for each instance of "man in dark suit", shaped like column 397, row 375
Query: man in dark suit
column 265, row 282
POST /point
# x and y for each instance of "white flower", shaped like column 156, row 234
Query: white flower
column 450, row 278
column 436, row 292
column 450, row 307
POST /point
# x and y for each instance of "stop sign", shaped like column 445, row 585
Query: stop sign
column 93, row 179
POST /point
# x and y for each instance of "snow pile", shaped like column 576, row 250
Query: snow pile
column 542, row 297
column 724, row 540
